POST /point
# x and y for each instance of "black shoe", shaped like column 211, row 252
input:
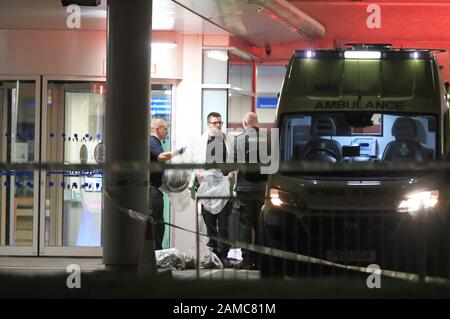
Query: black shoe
column 245, row 266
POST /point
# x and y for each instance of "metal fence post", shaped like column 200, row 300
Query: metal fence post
column 198, row 209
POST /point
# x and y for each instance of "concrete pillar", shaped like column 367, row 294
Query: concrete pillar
column 126, row 128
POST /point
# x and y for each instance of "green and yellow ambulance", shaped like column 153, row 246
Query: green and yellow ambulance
column 363, row 106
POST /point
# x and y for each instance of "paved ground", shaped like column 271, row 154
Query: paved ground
column 32, row 277
column 57, row 265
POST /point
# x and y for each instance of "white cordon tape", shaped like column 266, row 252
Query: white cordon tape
column 313, row 166
column 287, row 254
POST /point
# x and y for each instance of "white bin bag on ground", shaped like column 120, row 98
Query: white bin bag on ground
column 172, row 258
column 214, row 184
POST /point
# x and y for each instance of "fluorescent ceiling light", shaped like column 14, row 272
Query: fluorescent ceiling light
column 94, row 13
column 163, row 45
column 362, row 54
column 217, row 55
column 163, row 23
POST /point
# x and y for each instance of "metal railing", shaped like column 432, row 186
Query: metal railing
column 315, row 241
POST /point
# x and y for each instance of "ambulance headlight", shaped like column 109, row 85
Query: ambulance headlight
column 281, row 198
column 419, row 201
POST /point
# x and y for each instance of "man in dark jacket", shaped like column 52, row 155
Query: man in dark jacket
column 250, row 186
column 214, row 150
column 159, row 132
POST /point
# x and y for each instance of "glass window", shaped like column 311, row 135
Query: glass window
column 214, row 101
column 359, row 136
column 239, row 105
column 268, row 85
column 215, row 66
column 17, row 141
column 75, row 128
column 241, row 74
column 161, row 107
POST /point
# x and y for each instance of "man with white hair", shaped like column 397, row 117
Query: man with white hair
column 159, row 131
column 250, row 186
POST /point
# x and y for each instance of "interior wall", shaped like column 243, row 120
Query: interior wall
column 72, row 53
column 53, row 52
column 187, row 117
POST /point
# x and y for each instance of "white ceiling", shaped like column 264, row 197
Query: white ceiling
column 242, row 19
column 211, row 17
column 50, row 14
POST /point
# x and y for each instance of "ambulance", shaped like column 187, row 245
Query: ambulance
column 362, row 108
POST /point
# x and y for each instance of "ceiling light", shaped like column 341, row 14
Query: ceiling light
column 163, row 23
column 275, row 17
column 289, row 15
column 217, row 55
column 163, row 45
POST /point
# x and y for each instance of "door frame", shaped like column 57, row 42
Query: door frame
column 59, row 250
column 33, row 249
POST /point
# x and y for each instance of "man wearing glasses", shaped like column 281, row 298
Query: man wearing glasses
column 213, row 149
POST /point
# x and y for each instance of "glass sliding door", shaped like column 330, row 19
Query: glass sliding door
column 73, row 128
column 161, row 107
column 19, row 127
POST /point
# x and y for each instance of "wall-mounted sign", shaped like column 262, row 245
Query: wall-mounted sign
column 266, row 102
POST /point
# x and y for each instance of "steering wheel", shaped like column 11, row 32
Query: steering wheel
column 329, row 152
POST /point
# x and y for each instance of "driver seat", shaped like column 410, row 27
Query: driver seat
column 404, row 148
column 320, row 149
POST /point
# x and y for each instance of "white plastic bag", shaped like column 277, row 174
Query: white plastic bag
column 208, row 259
column 180, row 201
column 175, row 180
column 175, row 183
column 214, row 184
column 172, row 258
